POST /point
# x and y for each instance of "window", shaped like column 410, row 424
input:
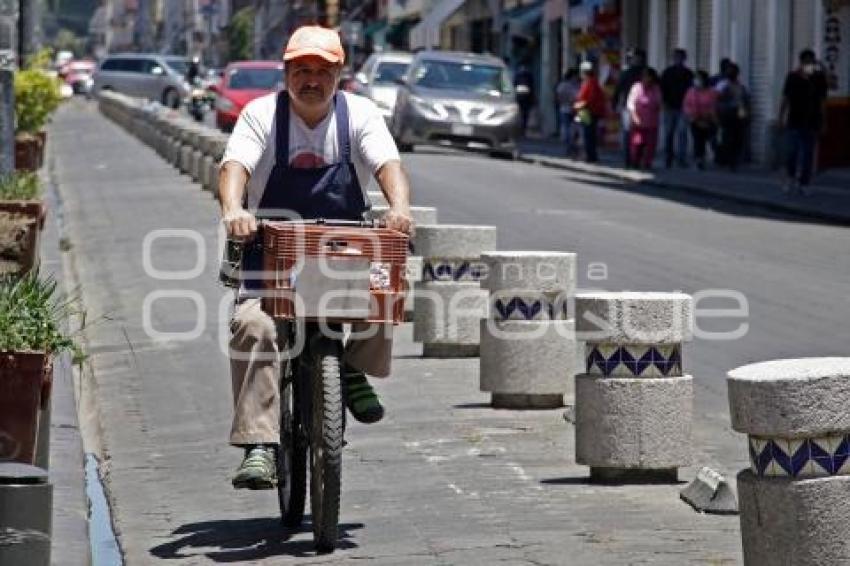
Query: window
column 178, row 65
column 450, row 75
column 255, row 79
column 115, row 65
column 388, row 72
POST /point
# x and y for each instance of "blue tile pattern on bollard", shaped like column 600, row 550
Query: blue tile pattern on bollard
column 634, row 361
column 800, row 458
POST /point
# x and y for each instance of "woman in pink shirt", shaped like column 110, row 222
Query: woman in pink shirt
column 644, row 105
column 701, row 110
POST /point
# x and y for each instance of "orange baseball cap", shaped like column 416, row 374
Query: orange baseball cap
column 315, row 40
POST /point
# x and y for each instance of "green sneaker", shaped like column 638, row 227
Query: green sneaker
column 360, row 398
column 258, row 469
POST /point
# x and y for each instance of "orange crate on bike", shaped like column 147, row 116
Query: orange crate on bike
column 285, row 244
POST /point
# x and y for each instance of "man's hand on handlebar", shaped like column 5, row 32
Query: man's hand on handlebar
column 240, row 224
column 400, row 221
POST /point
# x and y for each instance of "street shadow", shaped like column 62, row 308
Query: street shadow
column 583, row 480
column 704, row 201
column 243, row 540
column 473, row 406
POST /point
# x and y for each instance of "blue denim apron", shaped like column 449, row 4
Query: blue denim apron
column 331, row 192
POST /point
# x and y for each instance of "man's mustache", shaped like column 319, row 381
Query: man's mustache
column 310, row 90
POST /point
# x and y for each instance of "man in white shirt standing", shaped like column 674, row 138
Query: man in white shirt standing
column 311, row 150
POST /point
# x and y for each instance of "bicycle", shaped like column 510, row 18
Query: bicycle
column 312, row 412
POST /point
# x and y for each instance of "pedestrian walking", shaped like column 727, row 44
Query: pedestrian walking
column 636, row 64
column 590, row 107
column 715, row 80
column 802, row 116
column 700, row 107
column 676, row 80
column 566, row 93
column 524, row 88
column 644, row 105
column 733, row 112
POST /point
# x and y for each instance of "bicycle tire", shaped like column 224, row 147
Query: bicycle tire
column 291, row 458
column 326, row 439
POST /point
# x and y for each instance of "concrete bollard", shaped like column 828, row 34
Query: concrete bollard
column 634, row 406
column 793, row 499
column 196, row 163
column 377, row 198
column 528, row 345
column 449, row 303
column 26, row 507
column 420, row 214
column 208, row 169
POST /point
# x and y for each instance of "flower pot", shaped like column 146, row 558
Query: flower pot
column 25, row 378
column 28, row 152
column 42, row 145
column 21, row 223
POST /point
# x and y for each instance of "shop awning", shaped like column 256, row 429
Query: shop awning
column 375, row 27
column 398, row 33
column 524, row 21
column 426, row 34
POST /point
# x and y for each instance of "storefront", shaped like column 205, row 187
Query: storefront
column 833, row 39
column 596, row 34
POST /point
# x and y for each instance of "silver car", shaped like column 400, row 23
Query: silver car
column 151, row 76
column 378, row 78
column 457, row 99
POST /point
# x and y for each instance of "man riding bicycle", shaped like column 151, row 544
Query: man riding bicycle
column 311, row 150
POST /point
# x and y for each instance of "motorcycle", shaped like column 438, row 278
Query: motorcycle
column 198, row 102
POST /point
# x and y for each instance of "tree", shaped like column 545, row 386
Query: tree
column 66, row 40
column 240, row 35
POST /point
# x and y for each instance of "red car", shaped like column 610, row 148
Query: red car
column 241, row 83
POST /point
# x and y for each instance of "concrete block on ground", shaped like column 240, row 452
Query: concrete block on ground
column 806, row 397
column 534, row 271
column 787, row 522
column 195, row 165
column 186, row 152
column 527, row 357
column 448, row 314
column 450, row 241
column 710, row 493
column 208, row 170
column 420, row 214
column 377, row 198
column 634, row 318
column 634, row 423
column 792, row 499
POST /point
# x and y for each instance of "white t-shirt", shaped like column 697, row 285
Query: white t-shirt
column 252, row 142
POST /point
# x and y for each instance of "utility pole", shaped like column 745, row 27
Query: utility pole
column 8, row 44
column 27, row 29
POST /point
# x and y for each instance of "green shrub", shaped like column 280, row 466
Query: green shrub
column 19, row 186
column 32, row 314
column 36, row 97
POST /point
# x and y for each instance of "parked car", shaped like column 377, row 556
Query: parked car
column 378, row 79
column 457, row 99
column 243, row 82
column 78, row 75
column 152, row 76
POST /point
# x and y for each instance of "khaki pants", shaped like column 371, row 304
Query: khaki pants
column 255, row 370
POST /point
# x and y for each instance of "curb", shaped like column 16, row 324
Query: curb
column 638, row 177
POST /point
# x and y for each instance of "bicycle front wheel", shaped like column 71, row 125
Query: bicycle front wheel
column 292, row 455
column 326, row 439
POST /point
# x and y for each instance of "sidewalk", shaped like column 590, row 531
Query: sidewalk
column 444, row 479
column 829, row 198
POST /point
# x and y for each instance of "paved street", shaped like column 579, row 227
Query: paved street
column 443, row 479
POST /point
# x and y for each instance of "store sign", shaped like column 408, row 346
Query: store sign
column 836, row 45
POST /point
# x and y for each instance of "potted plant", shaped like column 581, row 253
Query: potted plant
column 22, row 213
column 37, row 96
column 32, row 315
